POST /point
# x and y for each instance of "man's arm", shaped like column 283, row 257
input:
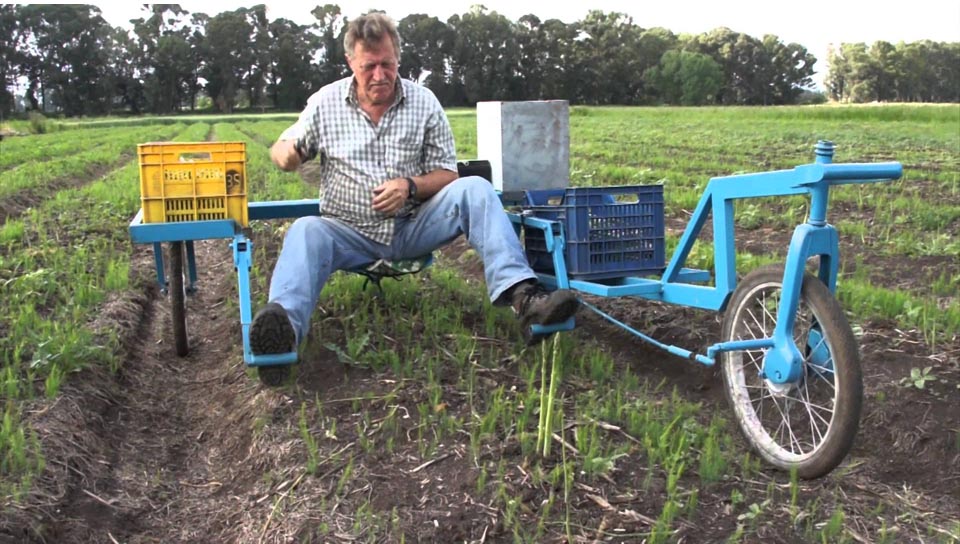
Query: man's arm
column 284, row 154
column 430, row 183
column 298, row 143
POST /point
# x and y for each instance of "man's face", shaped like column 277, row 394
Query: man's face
column 374, row 66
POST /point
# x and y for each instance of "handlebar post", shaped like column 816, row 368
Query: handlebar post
column 819, row 194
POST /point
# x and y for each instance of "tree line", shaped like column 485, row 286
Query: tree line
column 68, row 59
column 923, row 71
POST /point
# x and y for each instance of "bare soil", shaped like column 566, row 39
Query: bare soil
column 194, row 449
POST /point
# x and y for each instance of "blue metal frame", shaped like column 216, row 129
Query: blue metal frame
column 678, row 285
column 189, row 231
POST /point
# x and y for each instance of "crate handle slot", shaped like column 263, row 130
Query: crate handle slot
column 625, row 198
column 196, row 156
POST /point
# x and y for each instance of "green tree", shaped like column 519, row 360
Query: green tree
column 606, row 60
column 259, row 42
column 331, row 25
column 10, row 37
column 485, row 63
column 291, row 78
column 127, row 71
column 228, row 57
column 883, row 71
column 945, row 62
column 547, row 66
column 839, row 76
column 164, row 56
column 66, row 57
column 428, row 44
column 789, row 71
column 686, row 77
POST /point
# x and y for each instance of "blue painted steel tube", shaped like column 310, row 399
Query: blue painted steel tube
column 158, row 263
column 242, row 250
column 680, row 352
column 820, row 192
column 272, row 360
column 567, row 325
column 283, row 209
column 739, row 345
column 191, row 267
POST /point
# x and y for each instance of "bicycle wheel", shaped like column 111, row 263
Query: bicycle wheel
column 808, row 425
column 178, row 312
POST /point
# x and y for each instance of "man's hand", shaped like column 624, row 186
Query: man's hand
column 390, row 196
column 285, row 155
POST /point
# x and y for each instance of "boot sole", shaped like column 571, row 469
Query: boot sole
column 271, row 331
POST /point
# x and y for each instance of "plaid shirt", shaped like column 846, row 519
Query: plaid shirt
column 412, row 139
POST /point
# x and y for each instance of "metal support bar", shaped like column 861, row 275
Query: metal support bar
column 739, row 345
column 242, row 250
column 678, row 351
column 283, row 209
column 158, row 263
column 191, row 268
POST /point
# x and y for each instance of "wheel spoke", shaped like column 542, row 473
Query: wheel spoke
column 824, row 374
column 812, row 410
column 816, row 436
column 756, row 360
column 785, row 422
column 772, row 314
column 756, row 322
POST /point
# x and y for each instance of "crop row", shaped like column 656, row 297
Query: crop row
column 34, row 175
column 58, row 262
column 16, row 152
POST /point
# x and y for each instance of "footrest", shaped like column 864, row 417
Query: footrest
column 273, row 359
column 567, row 325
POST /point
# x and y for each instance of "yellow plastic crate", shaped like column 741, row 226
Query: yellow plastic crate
column 196, row 181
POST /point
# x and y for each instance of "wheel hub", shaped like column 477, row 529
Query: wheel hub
column 780, row 390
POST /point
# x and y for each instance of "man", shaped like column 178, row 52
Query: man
column 390, row 189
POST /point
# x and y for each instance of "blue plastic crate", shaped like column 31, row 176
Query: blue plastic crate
column 606, row 237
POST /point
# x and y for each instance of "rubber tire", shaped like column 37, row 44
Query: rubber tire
column 273, row 375
column 847, row 377
column 178, row 312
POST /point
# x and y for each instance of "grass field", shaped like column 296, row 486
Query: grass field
column 419, row 415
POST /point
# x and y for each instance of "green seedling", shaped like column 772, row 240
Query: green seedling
column 918, row 378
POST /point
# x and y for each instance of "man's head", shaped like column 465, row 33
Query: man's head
column 372, row 45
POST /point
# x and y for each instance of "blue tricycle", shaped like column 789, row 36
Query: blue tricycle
column 789, row 359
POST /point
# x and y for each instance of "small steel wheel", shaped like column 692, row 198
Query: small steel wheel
column 178, row 312
column 808, row 425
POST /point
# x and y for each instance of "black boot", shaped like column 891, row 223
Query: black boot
column 535, row 305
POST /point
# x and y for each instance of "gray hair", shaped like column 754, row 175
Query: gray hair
column 370, row 29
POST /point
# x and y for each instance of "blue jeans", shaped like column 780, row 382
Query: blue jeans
column 315, row 247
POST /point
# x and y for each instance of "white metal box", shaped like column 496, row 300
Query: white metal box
column 527, row 143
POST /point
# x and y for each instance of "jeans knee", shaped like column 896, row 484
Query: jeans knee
column 306, row 229
column 475, row 189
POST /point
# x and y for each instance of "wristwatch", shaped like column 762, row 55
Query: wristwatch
column 411, row 188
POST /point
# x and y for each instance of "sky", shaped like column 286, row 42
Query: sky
column 815, row 25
